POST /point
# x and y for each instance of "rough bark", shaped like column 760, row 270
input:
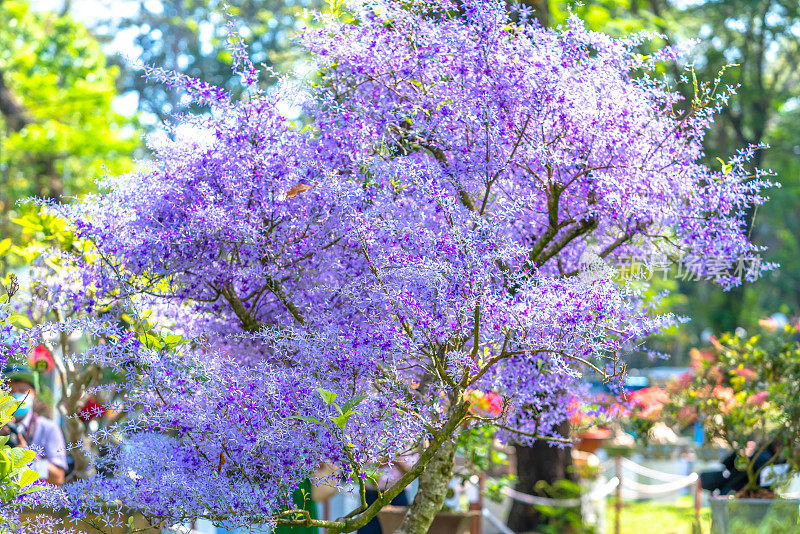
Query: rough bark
column 432, row 492
column 538, row 462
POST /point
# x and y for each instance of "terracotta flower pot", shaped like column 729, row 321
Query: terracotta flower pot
column 592, row 439
column 391, row 517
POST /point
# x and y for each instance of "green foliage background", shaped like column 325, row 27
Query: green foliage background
column 757, row 44
column 56, row 72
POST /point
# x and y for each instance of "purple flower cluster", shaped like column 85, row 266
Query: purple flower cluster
column 422, row 231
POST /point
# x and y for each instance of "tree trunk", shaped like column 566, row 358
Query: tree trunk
column 432, row 491
column 14, row 112
column 539, row 462
column 75, row 433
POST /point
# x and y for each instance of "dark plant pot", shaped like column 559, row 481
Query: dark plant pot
column 391, row 517
column 730, row 515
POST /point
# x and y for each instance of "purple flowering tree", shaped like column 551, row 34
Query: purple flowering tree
column 444, row 216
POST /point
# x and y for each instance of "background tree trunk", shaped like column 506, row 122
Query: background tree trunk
column 13, row 111
column 539, row 462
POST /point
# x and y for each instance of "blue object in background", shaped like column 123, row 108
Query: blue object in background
column 699, row 434
column 632, row 383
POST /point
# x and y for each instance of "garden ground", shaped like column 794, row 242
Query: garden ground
column 675, row 517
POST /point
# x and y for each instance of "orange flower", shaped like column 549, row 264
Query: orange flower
column 722, row 393
column 650, row 402
column 649, row 396
column 485, row 402
column 652, row 412
column 769, row 324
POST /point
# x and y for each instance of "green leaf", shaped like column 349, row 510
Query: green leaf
column 7, row 492
column 8, row 405
column 341, row 420
column 172, row 339
column 443, row 104
column 28, row 253
column 353, row 402
column 28, row 477
column 149, row 340
column 31, row 489
column 327, row 396
column 28, row 224
column 22, row 457
column 28, row 456
column 6, row 462
column 21, row 320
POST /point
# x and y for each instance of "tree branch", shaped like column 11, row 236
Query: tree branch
column 583, row 227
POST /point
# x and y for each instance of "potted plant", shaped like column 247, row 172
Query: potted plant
column 745, row 392
column 590, row 421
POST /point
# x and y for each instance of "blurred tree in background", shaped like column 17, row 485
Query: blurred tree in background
column 762, row 38
column 59, row 133
column 757, row 44
column 188, row 36
column 58, row 129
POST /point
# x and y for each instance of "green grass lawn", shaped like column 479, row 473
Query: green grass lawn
column 676, row 517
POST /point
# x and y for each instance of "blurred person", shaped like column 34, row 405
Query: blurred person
column 33, row 431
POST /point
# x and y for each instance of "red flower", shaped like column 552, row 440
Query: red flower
column 91, row 410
